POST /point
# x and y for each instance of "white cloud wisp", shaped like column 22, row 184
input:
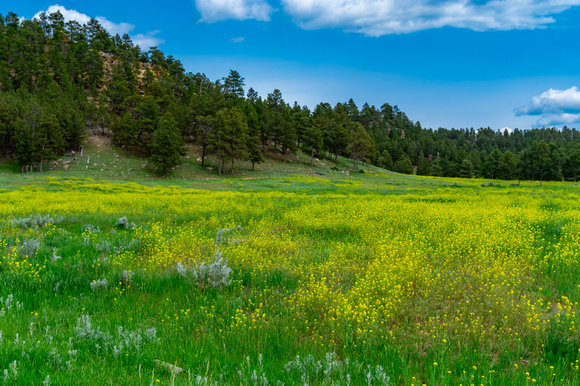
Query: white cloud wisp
column 556, row 107
column 383, row 17
column 218, row 10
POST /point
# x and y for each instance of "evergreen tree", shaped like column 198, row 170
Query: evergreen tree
column 229, row 137
column 575, row 162
column 507, row 166
column 167, row 144
column 466, row 170
column 234, row 85
column 404, row 165
column 360, row 145
column 541, row 162
column 313, row 138
column 125, row 132
column 204, row 127
column 24, row 151
column 491, row 165
column 253, row 140
column 424, row 167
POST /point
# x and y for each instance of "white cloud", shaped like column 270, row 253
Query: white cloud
column 69, row 14
column 217, row 10
column 561, row 119
column 81, row 18
column 383, row 17
column 553, row 102
column 114, row 28
column 142, row 40
column 148, row 40
column 557, row 107
column 238, row 40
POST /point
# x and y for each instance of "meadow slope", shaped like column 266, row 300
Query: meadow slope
column 335, row 279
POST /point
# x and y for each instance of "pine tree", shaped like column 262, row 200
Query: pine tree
column 424, row 167
column 234, row 85
column 466, row 168
column 313, row 138
column 404, row 165
column 125, row 132
column 507, row 166
column 255, row 153
column 166, row 144
column 491, row 165
column 229, row 137
column 360, row 145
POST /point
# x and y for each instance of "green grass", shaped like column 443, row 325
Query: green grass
column 445, row 280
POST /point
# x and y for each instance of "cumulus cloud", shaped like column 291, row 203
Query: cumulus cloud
column 217, row 10
column 142, row 40
column 238, row 40
column 383, row 17
column 556, row 107
column 81, row 18
column 553, row 102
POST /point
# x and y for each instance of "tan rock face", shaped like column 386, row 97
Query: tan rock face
column 139, row 70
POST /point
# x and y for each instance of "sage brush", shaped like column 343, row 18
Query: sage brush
column 124, row 223
column 99, row 284
column 213, row 275
column 29, row 248
column 34, row 221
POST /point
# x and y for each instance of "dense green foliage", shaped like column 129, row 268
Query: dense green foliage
column 59, row 79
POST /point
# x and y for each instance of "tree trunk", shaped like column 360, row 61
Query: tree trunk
column 253, row 163
column 203, row 146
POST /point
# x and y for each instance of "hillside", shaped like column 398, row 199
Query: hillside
column 62, row 82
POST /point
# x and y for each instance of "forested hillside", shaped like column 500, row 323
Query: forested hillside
column 61, row 80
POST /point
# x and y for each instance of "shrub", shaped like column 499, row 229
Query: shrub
column 29, row 248
column 97, row 285
column 34, row 221
column 213, row 275
column 124, row 223
column 7, row 305
column 54, row 256
column 220, row 238
column 91, row 228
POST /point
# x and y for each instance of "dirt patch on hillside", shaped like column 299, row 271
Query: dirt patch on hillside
column 100, row 142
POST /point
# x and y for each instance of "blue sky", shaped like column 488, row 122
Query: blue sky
column 454, row 63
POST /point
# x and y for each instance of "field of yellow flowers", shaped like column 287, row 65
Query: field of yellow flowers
column 353, row 283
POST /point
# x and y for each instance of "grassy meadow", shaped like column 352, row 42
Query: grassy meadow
column 335, row 279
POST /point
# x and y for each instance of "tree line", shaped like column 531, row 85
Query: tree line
column 60, row 79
